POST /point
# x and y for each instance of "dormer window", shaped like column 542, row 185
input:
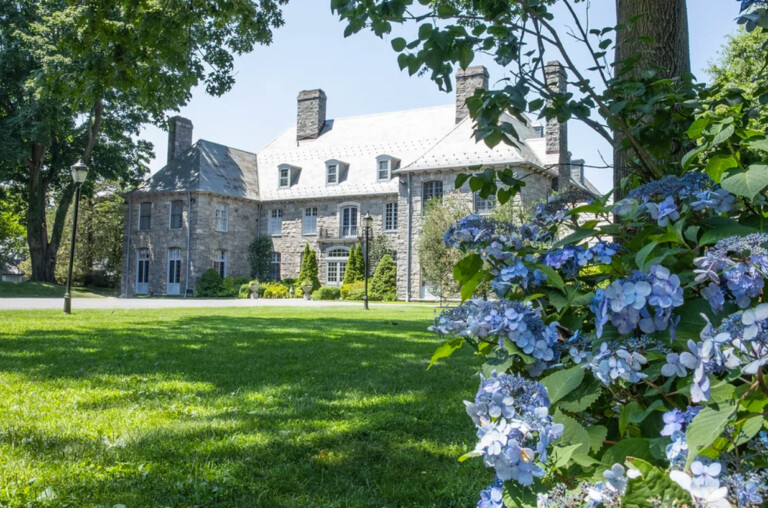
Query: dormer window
column 287, row 176
column 335, row 171
column 384, row 166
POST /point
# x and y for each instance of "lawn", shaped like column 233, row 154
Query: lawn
column 255, row 407
column 47, row 290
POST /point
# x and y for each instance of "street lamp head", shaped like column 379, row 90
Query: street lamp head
column 367, row 220
column 79, row 171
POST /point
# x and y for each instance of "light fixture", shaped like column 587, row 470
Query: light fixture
column 367, row 220
column 79, row 172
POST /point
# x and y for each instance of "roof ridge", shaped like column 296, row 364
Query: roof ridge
column 384, row 113
column 201, row 140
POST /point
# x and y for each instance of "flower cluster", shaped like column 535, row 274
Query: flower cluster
column 608, row 365
column 739, row 263
column 588, row 495
column 492, row 496
column 644, row 299
column 503, row 319
column 469, row 232
column 571, row 258
column 514, row 271
column 514, row 427
column 555, row 209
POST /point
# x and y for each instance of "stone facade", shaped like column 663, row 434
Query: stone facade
column 310, row 116
column 179, row 136
column 557, row 132
column 467, row 82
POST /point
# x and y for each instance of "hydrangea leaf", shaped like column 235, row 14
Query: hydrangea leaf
column 748, row 429
column 634, row 447
column 553, row 278
column 445, row 351
column 718, row 164
column 653, row 483
column 597, row 434
column 747, row 183
column 519, row 496
column 583, row 397
column 574, row 433
column 575, row 237
column 723, row 227
column 560, row 456
column 634, row 413
column 562, row 382
column 706, row 427
column 643, row 254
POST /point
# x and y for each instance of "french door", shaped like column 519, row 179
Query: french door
column 173, row 287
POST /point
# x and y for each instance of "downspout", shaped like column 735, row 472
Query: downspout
column 408, row 244
column 189, row 236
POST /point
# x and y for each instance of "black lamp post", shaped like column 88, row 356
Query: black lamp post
column 367, row 222
column 79, row 173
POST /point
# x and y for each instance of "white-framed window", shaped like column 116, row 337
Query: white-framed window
column 222, row 218
column 431, row 190
column 284, row 176
column 142, row 266
column 176, row 209
column 332, row 173
column 384, row 168
column 484, row 206
column 174, row 265
column 275, row 222
column 145, row 216
column 348, row 221
column 274, row 267
column 390, row 217
column 309, row 221
column 336, row 265
column 220, row 262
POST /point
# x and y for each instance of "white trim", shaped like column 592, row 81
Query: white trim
column 138, row 224
column 277, row 219
column 337, row 262
column 336, row 164
column 222, row 258
column 225, row 210
column 181, row 215
column 304, row 217
column 341, row 207
column 384, row 217
column 280, row 169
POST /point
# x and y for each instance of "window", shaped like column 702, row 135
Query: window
column 176, row 208
column 145, row 214
column 349, row 221
column 174, row 271
column 332, row 173
column 222, row 218
column 431, row 190
column 142, row 271
column 384, row 165
column 309, row 221
column 390, row 217
column 285, row 176
column 275, row 222
column 220, row 262
column 336, row 265
column 274, row 267
column 483, row 206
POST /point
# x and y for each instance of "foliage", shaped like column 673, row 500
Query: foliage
column 384, row 282
column 230, row 286
column 379, row 246
column 308, row 274
column 260, row 257
column 355, row 265
column 31, row 289
column 244, row 291
column 276, row 290
column 208, row 379
column 437, row 260
column 327, row 293
column 210, row 283
column 12, row 232
column 353, row 290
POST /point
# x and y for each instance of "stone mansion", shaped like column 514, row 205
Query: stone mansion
column 314, row 183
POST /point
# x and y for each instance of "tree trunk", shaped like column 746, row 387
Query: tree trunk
column 665, row 22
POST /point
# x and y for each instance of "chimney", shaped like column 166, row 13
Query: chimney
column 179, row 136
column 577, row 170
column 310, row 114
column 557, row 133
column 467, row 81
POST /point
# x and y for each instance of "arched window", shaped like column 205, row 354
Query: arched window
column 336, row 265
column 220, row 262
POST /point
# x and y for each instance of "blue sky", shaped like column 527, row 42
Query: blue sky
column 360, row 75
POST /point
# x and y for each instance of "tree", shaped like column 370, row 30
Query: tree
column 384, row 282
column 78, row 79
column 12, row 231
column 260, row 257
column 437, row 260
column 350, row 272
column 304, row 260
column 360, row 262
column 379, row 246
column 311, row 273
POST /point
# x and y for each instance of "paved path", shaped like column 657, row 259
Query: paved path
column 158, row 303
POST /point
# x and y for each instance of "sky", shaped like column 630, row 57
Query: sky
column 360, row 76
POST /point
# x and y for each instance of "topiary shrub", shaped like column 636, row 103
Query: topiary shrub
column 384, row 282
column 260, row 257
column 353, row 291
column 275, row 290
column 210, row 284
column 326, row 293
column 230, row 286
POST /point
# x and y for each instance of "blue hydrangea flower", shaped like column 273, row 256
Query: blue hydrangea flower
column 664, row 212
column 677, row 450
column 492, row 496
column 609, row 366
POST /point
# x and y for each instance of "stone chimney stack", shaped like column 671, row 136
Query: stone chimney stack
column 310, row 114
column 179, row 136
column 557, row 133
column 467, row 81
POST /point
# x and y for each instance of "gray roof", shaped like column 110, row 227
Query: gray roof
column 208, row 167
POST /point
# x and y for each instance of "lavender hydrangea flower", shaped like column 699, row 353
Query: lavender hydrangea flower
column 492, row 496
column 664, row 212
column 609, row 366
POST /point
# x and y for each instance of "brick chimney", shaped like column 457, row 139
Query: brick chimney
column 557, row 133
column 310, row 117
column 467, row 81
column 179, row 136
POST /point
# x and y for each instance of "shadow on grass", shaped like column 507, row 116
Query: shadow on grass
column 258, row 411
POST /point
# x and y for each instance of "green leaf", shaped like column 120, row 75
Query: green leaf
column 398, row 44
column 553, row 278
column 643, row 254
column 425, row 30
column 633, row 413
column 618, row 453
column 691, row 156
column 597, row 434
column 706, row 427
column 562, row 382
column 460, row 179
column 718, row 164
column 723, row 135
column 722, row 227
column 575, row 237
column 575, row 434
column 467, row 268
column 581, row 399
column 445, row 351
column 760, row 144
column 749, row 429
column 468, row 287
column 746, row 183
column 697, row 127
column 654, row 483
column 561, row 455
column 518, row 496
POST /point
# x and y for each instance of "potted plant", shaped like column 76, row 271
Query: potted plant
column 254, row 289
column 307, row 287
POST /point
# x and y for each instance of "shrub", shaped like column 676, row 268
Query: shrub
column 384, row 282
column 245, row 291
column 353, row 291
column 309, row 269
column 210, row 283
column 288, row 282
column 351, row 273
column 275, row 290
column 260, row 257
column 326, row 293
column 230, row 286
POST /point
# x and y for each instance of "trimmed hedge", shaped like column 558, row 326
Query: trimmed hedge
column 326, row 293
column 210, row 283
column 353, row 291
column 276, row 290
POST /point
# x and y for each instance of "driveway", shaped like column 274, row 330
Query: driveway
column 161, row 303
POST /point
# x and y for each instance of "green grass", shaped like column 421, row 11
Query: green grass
column 232, row 407
column 47, row 290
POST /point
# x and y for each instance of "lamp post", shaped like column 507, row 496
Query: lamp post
column 367, row 222
column 79, row 173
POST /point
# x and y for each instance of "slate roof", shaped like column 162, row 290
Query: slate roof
column 208, row 167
